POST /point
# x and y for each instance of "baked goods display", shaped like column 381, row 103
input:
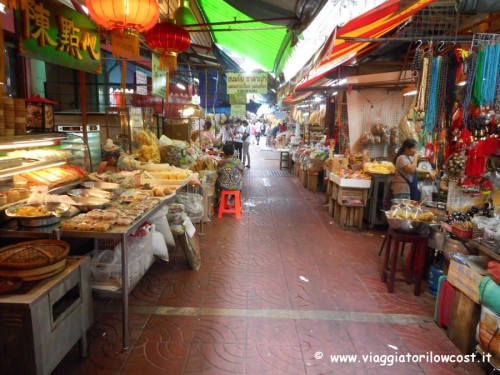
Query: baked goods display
column 125, row 211
column 55, row 175
column 41, row 154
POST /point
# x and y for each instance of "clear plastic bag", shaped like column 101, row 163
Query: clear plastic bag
column 175, row 211
column 193, row 204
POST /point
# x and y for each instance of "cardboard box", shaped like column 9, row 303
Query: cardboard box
column 465, row 279
column 347, row 182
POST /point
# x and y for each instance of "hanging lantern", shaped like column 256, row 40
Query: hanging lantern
column 126, row 19
column 13, row 4
column 168, row 40
column 183, row 15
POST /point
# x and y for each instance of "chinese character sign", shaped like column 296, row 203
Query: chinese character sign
column 159, row 77
column 252, row 83
column 54, row 33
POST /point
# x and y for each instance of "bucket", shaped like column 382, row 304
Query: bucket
column 433, row 279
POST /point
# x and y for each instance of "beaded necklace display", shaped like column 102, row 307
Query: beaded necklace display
column 422, row 88
column 477, row 89
column 491, row 61
column 471, row 70
column 443, row 75
column 431, row 112
column 449, row 102
column 429, row 78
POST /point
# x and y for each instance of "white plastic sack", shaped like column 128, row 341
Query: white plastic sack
column 159, row 219
column 160, row 250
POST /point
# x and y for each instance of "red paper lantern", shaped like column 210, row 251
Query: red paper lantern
column 126, row 19
column 168, row 40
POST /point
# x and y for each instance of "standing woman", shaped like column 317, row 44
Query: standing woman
column 239, row 129
column 404, row 183
column 247, row 139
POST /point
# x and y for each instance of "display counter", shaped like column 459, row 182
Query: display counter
column 11, row 229
column 44, row 320
column 347, row 201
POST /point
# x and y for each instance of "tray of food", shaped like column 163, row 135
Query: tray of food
column 37, row 215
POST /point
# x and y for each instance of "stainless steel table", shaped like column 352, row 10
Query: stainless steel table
column 117, row 233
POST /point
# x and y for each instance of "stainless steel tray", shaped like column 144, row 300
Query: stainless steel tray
column 109, row 186
column 91, row 193
column 85, row 204
column 55, row 210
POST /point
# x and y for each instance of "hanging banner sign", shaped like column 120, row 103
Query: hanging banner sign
column 238, row 98
column 141, row 81
column 57, row 34
column 253, row 83
column 159, row 77
column 238, row 110
column 280, row 115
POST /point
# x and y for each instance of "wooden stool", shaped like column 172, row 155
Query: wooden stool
column 224, row 207
column 284, row 159
column 418, row 254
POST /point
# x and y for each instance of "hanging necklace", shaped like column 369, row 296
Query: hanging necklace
column 478, row 80
column 492, row 55
column 430, row 114
column 471, row 70
column 423, row 85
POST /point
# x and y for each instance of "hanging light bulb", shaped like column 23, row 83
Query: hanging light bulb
column 183, row 15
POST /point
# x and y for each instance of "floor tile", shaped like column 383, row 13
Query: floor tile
column 283, row 290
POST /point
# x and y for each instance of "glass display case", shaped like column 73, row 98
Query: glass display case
column 80, row 149
column 36, row 159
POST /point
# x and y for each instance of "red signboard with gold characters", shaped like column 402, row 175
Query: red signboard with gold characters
column 54, row 33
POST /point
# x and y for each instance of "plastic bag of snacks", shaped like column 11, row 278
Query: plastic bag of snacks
column 149, row 149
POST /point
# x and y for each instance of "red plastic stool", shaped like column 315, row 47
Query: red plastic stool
column 417, row 258
column 224, row 207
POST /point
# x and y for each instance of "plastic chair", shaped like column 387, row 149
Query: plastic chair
column 224, row 207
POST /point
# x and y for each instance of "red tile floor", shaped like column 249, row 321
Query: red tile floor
column 283, row 290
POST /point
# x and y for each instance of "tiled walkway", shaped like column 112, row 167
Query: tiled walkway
column 280, row 291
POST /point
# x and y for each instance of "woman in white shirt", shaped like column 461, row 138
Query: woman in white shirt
column 246, row 143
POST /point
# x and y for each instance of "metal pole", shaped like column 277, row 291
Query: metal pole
column 458, row 38
column 83, row 109
column 264, row 20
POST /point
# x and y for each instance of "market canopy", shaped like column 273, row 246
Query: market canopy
column 234, row 24
column 373, row 24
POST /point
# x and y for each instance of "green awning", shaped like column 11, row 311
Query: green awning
column 262, row 46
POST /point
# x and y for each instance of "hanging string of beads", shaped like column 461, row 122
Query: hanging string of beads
column 441, row 92
column 417, row 61
column 423, row 85
column 471, row 72
column 450, row 87
column 429, row 77
column 492, row 60
column 431, row 112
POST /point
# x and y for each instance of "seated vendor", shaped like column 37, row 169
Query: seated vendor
column 207, row 132
column 207, row 136
column 229, row 170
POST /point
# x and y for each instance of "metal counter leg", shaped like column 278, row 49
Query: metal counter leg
column 124, row 291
